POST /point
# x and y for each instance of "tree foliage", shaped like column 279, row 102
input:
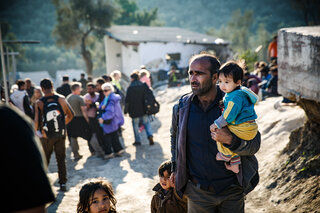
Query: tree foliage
column 131, row 15
column 77, row 20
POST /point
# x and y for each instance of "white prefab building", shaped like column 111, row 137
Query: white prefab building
column 129, row 47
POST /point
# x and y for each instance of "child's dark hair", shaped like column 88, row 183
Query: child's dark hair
column 165, row 166
column 87, row 192
column 232, row 68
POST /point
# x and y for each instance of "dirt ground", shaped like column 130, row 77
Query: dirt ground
column 135, row 173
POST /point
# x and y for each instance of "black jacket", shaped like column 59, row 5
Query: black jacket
column 134, row 103
column 64, row 89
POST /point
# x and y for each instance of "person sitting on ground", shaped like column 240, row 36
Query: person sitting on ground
column 238, row 114
column 272, row 85
column 96, row 196
column 111, row 119
column 166, row 198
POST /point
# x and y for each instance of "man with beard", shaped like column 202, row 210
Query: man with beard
column 196, row 173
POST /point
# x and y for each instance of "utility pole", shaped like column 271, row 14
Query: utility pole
column 4, row 70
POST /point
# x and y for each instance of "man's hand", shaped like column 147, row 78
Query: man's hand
column 100, row 121
column 213, row 128
column 172, row 180
column 222, row 135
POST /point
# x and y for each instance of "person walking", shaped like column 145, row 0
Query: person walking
column 135, row 106
column 79, row 126
column 51, row 115
column 65, row 88
column 90, row 100
column 111, row 118
column 20, row 99
column 196, row 173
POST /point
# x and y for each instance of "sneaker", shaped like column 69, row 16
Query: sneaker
column 151, row 142
column 106, row 157
column 118, row 154
column 63, row 187
column 136, row 143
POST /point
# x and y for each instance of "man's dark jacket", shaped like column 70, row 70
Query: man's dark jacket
column 134, row 103
column 64, row 89
column 248, row 176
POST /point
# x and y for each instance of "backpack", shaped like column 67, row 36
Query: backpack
column 150, row 103
column 53, row 119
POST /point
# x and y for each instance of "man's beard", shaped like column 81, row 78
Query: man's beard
column 203, row 89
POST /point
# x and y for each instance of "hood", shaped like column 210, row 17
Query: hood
column 250, row 94
column 114, row 97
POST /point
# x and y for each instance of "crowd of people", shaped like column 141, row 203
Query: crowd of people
column 213, row 146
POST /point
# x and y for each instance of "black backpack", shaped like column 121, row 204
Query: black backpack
column 151, row 105
column 53, row 120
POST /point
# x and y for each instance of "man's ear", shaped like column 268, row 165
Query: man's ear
column 214, row 77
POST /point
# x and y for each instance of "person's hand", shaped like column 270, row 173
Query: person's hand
column 100, row 121
column 222, row 135
column 172, row 180
column 213, row 128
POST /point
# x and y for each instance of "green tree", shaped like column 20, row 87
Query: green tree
column 131, row 15
column 77, row 20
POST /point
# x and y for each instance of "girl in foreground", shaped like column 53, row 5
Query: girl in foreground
column 96, row 196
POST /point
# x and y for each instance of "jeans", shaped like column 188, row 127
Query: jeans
column 146, row 124
column 229, row 201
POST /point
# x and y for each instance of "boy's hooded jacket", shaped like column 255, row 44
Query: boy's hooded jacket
column 169, row 202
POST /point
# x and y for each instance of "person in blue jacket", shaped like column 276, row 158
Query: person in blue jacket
column 238, row 115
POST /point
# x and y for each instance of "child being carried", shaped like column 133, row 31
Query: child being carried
column 238, row 114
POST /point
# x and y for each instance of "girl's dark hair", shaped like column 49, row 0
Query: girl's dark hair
column 165, row 166
column 87, row 192
column 232, row 68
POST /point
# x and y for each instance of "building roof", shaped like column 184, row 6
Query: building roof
column 139, row 34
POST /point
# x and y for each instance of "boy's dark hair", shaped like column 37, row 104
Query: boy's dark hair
column 165, row 166
column 107, row 78
column 233, row 69
column 91, row 84
column 87, row 192
column 20, row 83
column 213, row 60
column 46, row 83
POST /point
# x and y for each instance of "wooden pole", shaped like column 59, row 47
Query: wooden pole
column 4, row 70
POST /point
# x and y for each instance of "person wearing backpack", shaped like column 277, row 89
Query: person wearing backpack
column 135, row 106
column 51, row 116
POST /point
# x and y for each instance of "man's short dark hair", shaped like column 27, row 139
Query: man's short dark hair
column 165, row 166
column 100, row 81
column 134, row 75
column 213, row 60
column 65, row 78
column 91, row 84
column 232, row 68
column 20, row 83
column 75, row 85
column 46, row 83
